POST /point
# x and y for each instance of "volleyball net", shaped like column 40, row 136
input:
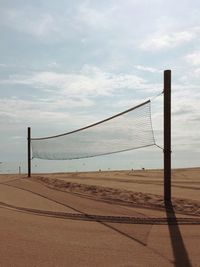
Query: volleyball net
column 128, row 130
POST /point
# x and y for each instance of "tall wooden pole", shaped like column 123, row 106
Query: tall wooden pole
column 29, row 151
column 167, row 136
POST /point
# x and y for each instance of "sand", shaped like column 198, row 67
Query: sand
column 115, row 218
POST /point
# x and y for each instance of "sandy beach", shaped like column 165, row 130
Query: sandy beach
column 112, row 218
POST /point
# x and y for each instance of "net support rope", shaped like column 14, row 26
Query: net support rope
column 128, row 130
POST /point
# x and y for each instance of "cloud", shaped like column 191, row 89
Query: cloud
column 93, row 17
column 183, row 110
column 18, row 110
column 53, row 65
column 148, row 69
column 197, row 72
column 193, row 58
column 66, row 22
column 30, row 21
column 53, row 110
column 17, row 137
column 89, row 81
column 159, row 41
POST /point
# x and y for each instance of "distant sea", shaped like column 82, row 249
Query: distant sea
column 49, row 166
column 36, row 167
column 46, row 166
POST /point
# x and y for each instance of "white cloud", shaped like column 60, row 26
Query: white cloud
column 29, row 21
column 148, row 69
column 185, row 110
column 17, row 137
column 57, row 25
column 18, row 110
column 197, row 72
column 193, row 58
column 53, row 65
column 94, row 18
column 160, row 41
column 54, row 110
column 89, row 81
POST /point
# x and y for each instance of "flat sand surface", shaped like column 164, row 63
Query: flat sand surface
column 115, row 218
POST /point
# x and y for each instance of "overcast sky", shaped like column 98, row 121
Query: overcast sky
column 65, row 64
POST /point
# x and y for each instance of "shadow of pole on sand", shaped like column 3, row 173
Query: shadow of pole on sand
column 180, row 253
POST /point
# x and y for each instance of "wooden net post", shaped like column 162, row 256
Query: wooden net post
column 167, row 135
column 29, row 151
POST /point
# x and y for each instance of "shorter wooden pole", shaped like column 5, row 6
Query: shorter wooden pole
column 29, row 151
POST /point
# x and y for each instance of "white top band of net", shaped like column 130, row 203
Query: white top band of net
column 125, row 131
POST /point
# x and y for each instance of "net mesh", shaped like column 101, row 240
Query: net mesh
column 125, row 131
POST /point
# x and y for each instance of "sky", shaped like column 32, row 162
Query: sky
column 67, row 64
